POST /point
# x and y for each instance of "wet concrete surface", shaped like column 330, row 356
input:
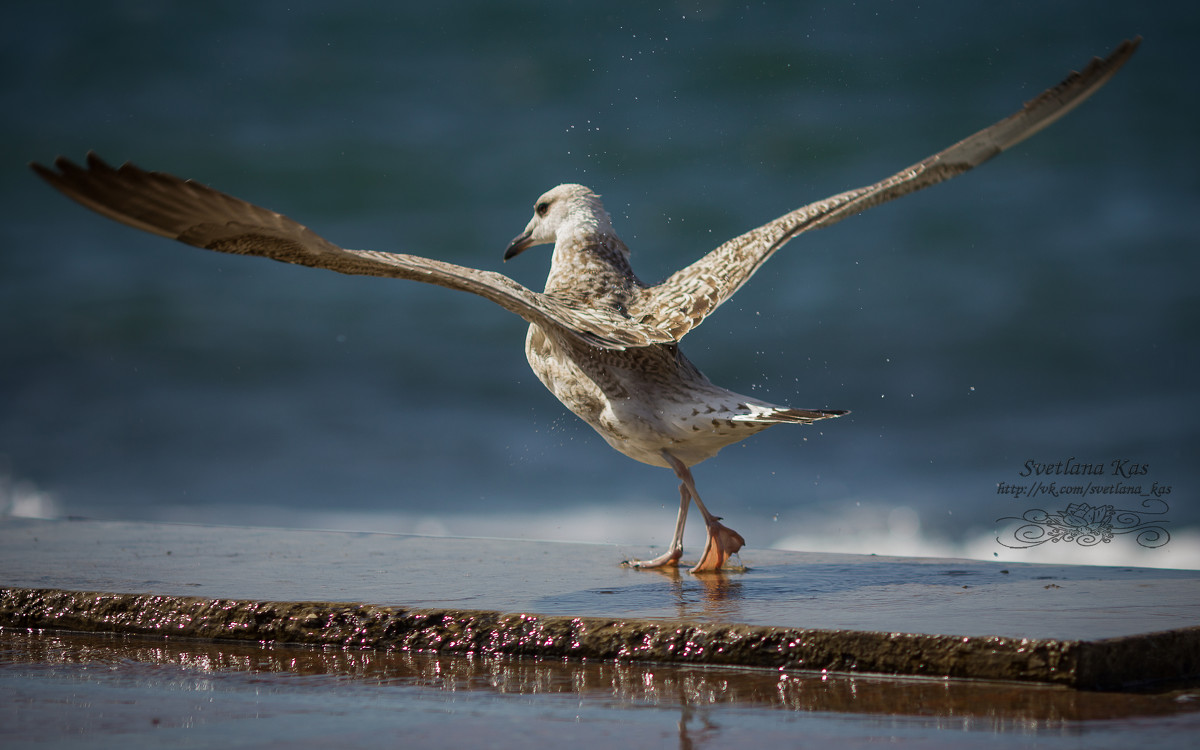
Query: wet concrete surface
column 144, row 635
column 91, row 690
column 793, row 589
column 1079, row 626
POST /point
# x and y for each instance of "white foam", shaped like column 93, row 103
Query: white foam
column 22, row 499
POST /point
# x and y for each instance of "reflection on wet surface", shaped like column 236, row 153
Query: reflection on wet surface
column 67, row 676
column 714, row 596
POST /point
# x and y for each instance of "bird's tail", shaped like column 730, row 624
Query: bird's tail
column 781, row 414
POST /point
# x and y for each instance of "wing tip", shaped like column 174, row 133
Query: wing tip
column 1093, row 75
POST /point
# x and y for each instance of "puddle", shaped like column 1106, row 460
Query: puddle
column 100, row 691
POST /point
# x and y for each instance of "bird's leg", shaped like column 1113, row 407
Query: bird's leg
column 721, row 541
column 675, row 551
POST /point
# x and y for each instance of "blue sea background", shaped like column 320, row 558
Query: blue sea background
column 1042, row 308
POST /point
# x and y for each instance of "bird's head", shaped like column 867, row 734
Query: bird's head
column 566, row 208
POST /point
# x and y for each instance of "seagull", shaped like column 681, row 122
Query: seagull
column 602, row 341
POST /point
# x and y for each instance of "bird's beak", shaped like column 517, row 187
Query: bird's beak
column 518, row 245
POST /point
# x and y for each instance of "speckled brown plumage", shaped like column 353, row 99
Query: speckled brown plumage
column 602, row 341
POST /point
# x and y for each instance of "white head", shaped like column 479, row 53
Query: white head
column 566, row 208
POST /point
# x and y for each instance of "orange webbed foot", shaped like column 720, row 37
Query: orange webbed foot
column 722, row 542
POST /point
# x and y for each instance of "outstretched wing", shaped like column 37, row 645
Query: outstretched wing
column 195, row 214
column 681, row 303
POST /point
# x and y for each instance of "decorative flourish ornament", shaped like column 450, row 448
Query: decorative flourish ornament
column 1088, row 525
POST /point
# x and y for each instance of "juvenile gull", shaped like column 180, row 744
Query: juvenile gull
column 603, row 342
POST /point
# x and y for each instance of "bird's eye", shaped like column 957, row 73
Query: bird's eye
column 542, row 208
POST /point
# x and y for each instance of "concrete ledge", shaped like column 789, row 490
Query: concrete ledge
column 1103, row 664
column 1081, row 627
